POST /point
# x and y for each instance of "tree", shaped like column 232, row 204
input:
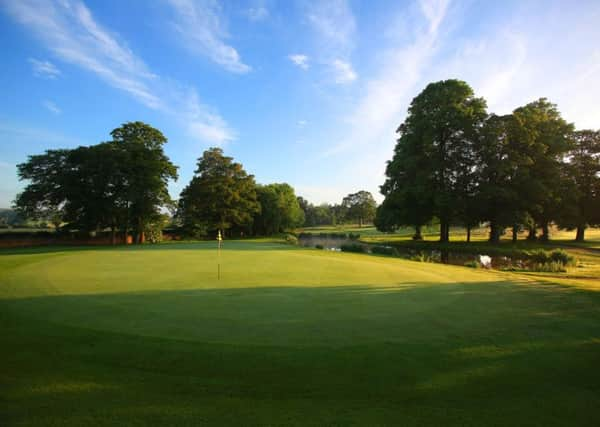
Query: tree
column 47, row 192
column 220, row 196
column 279, row 211
column 360, row 207
column 501, row 175
column 146, row 176
column 120, row 184
column 433, row 164
column 544, row 138
column 582, row 177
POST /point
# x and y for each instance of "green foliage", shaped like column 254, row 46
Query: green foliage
column 279, row 209
column 353, row 247
column 120, row 184
column 319, row 246
column 431, row 171
column 290, row 239
column 220, row 196
column 472, row 264
column 359, row 206
column 548, row 267
column 384, row 250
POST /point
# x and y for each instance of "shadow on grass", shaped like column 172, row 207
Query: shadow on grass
column 463, row 354
column 200, row 245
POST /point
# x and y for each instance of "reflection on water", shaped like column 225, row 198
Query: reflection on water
column 334, row 243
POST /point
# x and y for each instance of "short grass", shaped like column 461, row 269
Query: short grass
column 288, row 336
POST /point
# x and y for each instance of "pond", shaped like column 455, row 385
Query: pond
column 334, row 243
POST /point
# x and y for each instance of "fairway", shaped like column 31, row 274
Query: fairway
column 147, row 335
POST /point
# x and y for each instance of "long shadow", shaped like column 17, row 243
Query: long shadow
column 201, row 245
column 463, row 354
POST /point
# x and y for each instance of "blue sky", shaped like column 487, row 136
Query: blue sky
column 304, row 92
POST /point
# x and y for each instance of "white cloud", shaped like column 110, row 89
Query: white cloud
column 300, row 60
column 51, row 106
column 257, row 13
column 302, row 123
column 335, row 28
column 377, row 114
column 335, row 24
column 44, row 69
column 201, row 27
column 343, row 71
column 69, row 30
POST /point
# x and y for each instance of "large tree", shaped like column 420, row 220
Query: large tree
column 434, row 159
column 544, row 138
column 581, row 207
column 220, row 196
column 120, row 184
column 502, row 163
column 147, row 173
column 280, row 209
column 359, row 206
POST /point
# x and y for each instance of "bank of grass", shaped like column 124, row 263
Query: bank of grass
column 288, row 336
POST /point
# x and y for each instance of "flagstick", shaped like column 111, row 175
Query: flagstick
column 219, row 239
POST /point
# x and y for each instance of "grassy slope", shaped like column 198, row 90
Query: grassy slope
column 288, row 336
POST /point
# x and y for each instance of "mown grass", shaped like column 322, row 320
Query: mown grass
column 288, row 336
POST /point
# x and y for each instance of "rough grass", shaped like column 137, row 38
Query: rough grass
column 288, row 336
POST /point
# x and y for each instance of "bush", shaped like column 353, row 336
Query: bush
column 353, row 247
column 290, row 239
column 539, row 256
column 353, row 236
column 562, row 257
column 384, row 250
column 472, row 264
column 318, row 246
column 420, row 257
column 548, row 267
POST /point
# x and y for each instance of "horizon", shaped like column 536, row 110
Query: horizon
column 308, row 93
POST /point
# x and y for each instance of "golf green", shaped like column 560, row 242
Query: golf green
column 288, row 336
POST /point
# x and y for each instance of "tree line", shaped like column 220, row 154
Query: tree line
column 121, row 185
column 456, row 162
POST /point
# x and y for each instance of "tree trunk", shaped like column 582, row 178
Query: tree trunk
column 545, row 232
column 444, row 231
column 417, row 235
column 113, row 235
column 515, row 232
column 494, row 232
column 468, row 233
column 580, row 237
column 532, row 233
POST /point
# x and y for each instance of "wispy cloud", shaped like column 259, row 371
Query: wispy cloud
column 302, row 123
column 335, row 27
column 203, row 31
column 69, row 30
column 257, row 13
column 343, row 71
column 387, row 95
column 44, row 69
column 51, row 106
column 300, row 60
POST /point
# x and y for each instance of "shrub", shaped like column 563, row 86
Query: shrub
column 539, row 256
column 420, row 257
column 562, row 257
column 548, row 267
column 319, row 246
column 472, row 264
column 353, row 236
column 290, row 239
column 352, row 247
column 384, row 250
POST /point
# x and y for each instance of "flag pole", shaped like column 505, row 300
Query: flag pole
column 219, row 240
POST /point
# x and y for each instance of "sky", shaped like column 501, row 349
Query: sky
column 304, row 92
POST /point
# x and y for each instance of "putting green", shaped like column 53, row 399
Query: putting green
column 288, row 336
